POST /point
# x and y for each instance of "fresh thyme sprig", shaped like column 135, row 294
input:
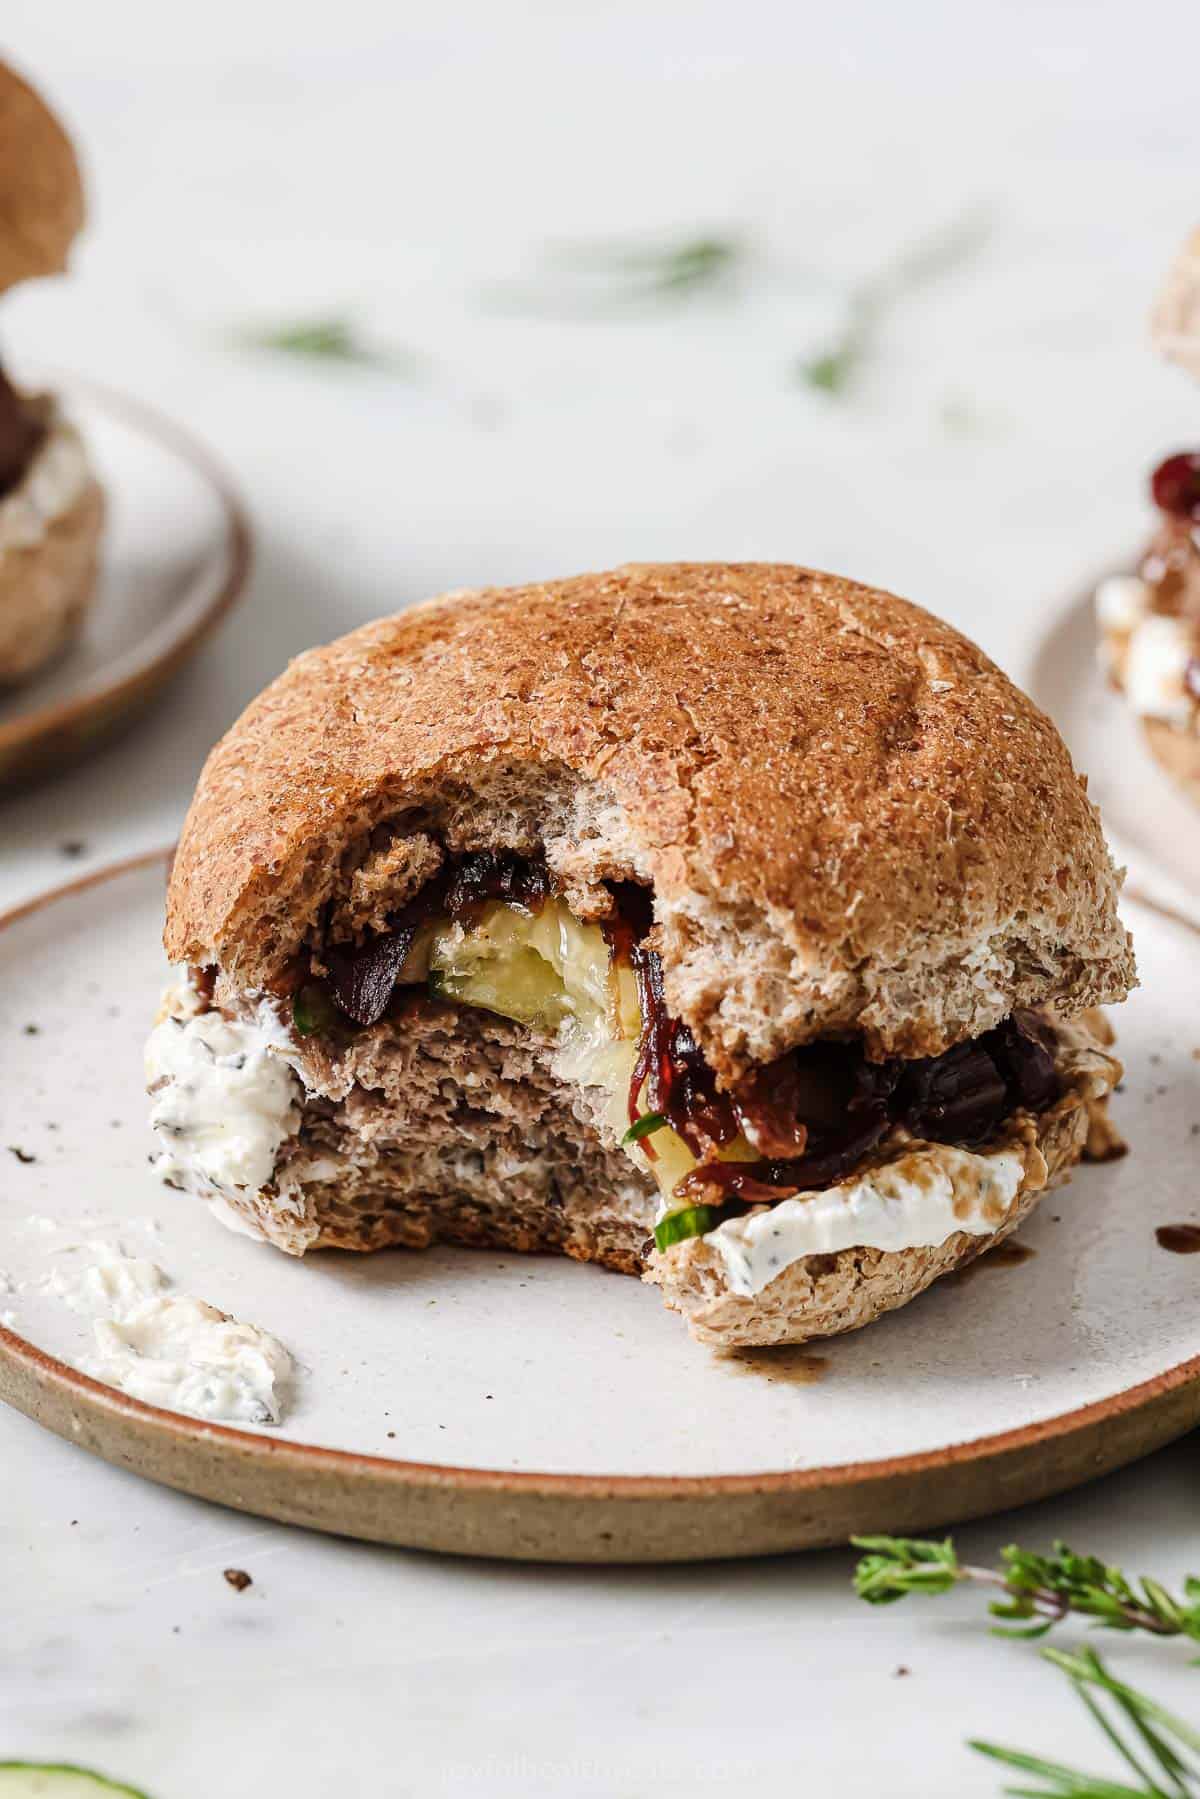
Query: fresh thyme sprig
column 1159, row 1748
column 1043, row 1589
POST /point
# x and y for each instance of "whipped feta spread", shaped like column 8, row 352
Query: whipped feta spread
column 171, row 1350
column 916, row 1201
column 1122, row 601
column 112, row 1285
column 1147, row 652
column 224, row 1100
column 1159, row 652
column 181, row 1353
column 53, row 482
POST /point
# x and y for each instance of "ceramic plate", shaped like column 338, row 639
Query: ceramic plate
column 535, row 1407
column 1153, row 828
column 175, row 556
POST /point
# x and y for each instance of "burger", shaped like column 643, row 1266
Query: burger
column 734, row 926
column 1149, row 620
column 51, row 504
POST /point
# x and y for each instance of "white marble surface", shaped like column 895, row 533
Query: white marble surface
column 396, row 162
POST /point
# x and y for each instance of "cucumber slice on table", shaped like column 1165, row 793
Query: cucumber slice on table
column 34, row 1780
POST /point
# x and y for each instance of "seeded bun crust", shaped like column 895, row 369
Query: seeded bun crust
column 851, row 819
column 41, row 189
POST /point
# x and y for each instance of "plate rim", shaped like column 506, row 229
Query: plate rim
column 21, row 736
column 47, row 1374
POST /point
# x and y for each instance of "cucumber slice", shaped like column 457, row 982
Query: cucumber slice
column 36, row 1780
column 692, row 1221
column 521, row 986
column 313, row 1010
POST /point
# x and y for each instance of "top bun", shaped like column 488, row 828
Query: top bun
column 41, row 190
column 1175, row 321
column 851, row 819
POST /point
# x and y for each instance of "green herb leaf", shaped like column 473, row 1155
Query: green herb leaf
column 836, row 367
column 313, row 1010
column 644, row 1127
column 328, row 339
column 692, row 1221
column 582, row 279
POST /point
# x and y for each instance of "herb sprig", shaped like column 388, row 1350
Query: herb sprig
column 835, row 368
column 325, row 338
column 584, row 278
column 1039, row 1589
column 1160, row 1749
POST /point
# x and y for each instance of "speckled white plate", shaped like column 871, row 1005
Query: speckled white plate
column 174, row 557
column 1152, row 826
column 536, row 1407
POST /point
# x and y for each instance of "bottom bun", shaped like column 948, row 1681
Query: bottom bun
column 1176, row 751
column 825, row 1295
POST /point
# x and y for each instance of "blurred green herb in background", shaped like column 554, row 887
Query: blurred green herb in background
column 834, row 368
column 329, row 338
column 581, row 278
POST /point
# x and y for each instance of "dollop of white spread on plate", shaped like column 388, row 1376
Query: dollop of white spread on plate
column 181, row 1353
column 171, row 1350
column 224, row 1100
column 112, row 1285
column 916, row 1201
column 54, row 481
column 1159, row 652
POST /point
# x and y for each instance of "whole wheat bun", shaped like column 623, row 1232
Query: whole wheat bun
column 41, row 188
column 852, row 820
column 1175, row 320
column 49, row 551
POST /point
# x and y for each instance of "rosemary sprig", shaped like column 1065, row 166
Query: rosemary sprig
column 1159, row 1748
column 607, row 277
column 833, row 369
column 1043, row 1589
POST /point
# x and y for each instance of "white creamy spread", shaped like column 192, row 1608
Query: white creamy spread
column 53, row 482
column 916, row 1201
column 224, row 1100
column 181, row 1353
column 112, row 1285
column 1159, row 652
column 1122, row 601
column 171, row 1350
